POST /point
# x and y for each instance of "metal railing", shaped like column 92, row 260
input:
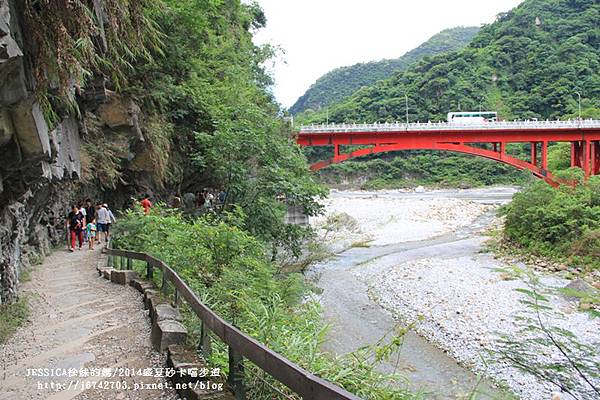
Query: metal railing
column 239, row 344
column 447, row 126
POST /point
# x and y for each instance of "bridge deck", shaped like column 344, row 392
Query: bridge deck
column 568, row 125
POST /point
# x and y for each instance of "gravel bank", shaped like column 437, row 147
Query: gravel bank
column 465, row 301
column 382, row 218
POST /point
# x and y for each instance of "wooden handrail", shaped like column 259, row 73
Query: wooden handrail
column 302, row 382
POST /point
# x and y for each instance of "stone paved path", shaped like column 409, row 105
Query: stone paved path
column 79, row 320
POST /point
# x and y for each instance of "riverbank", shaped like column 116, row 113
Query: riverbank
column 424, row 261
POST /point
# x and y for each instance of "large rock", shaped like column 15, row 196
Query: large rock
column 164, row 311
column 148, row 295
column 141, row 285
column 581, row 287
column 123, row 276
column 188, row 380
column 65, row 150
column 166, row 333
column 119, row 111
column 31, row 128
column 7, row 129
column 13, row 85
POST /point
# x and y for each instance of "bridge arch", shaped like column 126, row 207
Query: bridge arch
column 583, row 135
column 498, row 154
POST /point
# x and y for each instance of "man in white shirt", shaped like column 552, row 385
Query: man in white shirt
column 102, row 223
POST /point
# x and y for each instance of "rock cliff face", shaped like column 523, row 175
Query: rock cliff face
column 41, row 167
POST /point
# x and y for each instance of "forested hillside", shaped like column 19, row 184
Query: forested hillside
column 159, row 97
column 340, row 83
column 530, row 63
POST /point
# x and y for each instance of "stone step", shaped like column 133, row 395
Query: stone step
column 163, row 311
column 141, row 285
column 106, row 272
column 167, row 332
column 148, row 295
column 123, row 276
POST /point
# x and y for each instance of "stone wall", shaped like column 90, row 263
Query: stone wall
column 37, row 164
column 41, row 171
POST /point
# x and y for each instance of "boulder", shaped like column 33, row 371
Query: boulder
column 167, row 332
column 13, row 86
column 141, row 285
column 148, row 294
column 65, row 144
column 163, row 311
column 153, row 302
column 106, row 272
column 578, row 285
column 31, row 128
column 119, row 111
column 123, row 276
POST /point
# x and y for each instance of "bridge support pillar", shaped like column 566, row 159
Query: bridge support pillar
column 534, row 153
column 336, row 152
column 586, row 158
column 544, row 155
column 576, row 154
column 595, row 157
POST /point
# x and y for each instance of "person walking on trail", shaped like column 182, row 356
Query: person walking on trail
column 91, row 233
column 111, row 219
column 146, row 204
column 102, row 222
column 89, row 212
column 75, row 220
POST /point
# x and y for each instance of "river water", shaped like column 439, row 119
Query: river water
column 356, row 320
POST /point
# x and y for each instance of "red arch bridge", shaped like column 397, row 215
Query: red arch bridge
column 487, row 140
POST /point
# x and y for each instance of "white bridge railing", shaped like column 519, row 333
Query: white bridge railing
column 446, row 126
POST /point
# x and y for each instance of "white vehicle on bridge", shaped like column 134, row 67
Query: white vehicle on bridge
column 472, row 117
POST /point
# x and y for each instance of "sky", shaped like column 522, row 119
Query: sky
column 317, row 36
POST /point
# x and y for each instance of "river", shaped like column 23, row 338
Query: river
column 401, row 255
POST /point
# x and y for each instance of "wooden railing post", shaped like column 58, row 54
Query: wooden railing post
column 205, row 345
column 129, row 263
column 149, row 271
column 235, row 379
column 163, row 287
column 122, row 262
column 176, row 298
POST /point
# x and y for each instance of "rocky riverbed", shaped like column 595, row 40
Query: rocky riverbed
column 465, row 297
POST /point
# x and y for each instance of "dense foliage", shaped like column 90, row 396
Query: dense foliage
column 560, row 223
column 68, row 45
column 337, row 85
column 227, row 268
column 211, row 88
column 208, row 119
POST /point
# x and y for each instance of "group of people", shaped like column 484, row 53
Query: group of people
column 210, row 198
column 85, row 220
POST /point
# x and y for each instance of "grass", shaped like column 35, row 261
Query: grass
column 12, row 317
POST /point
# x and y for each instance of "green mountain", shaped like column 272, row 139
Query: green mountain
column 529, row 63
column 340, row 83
